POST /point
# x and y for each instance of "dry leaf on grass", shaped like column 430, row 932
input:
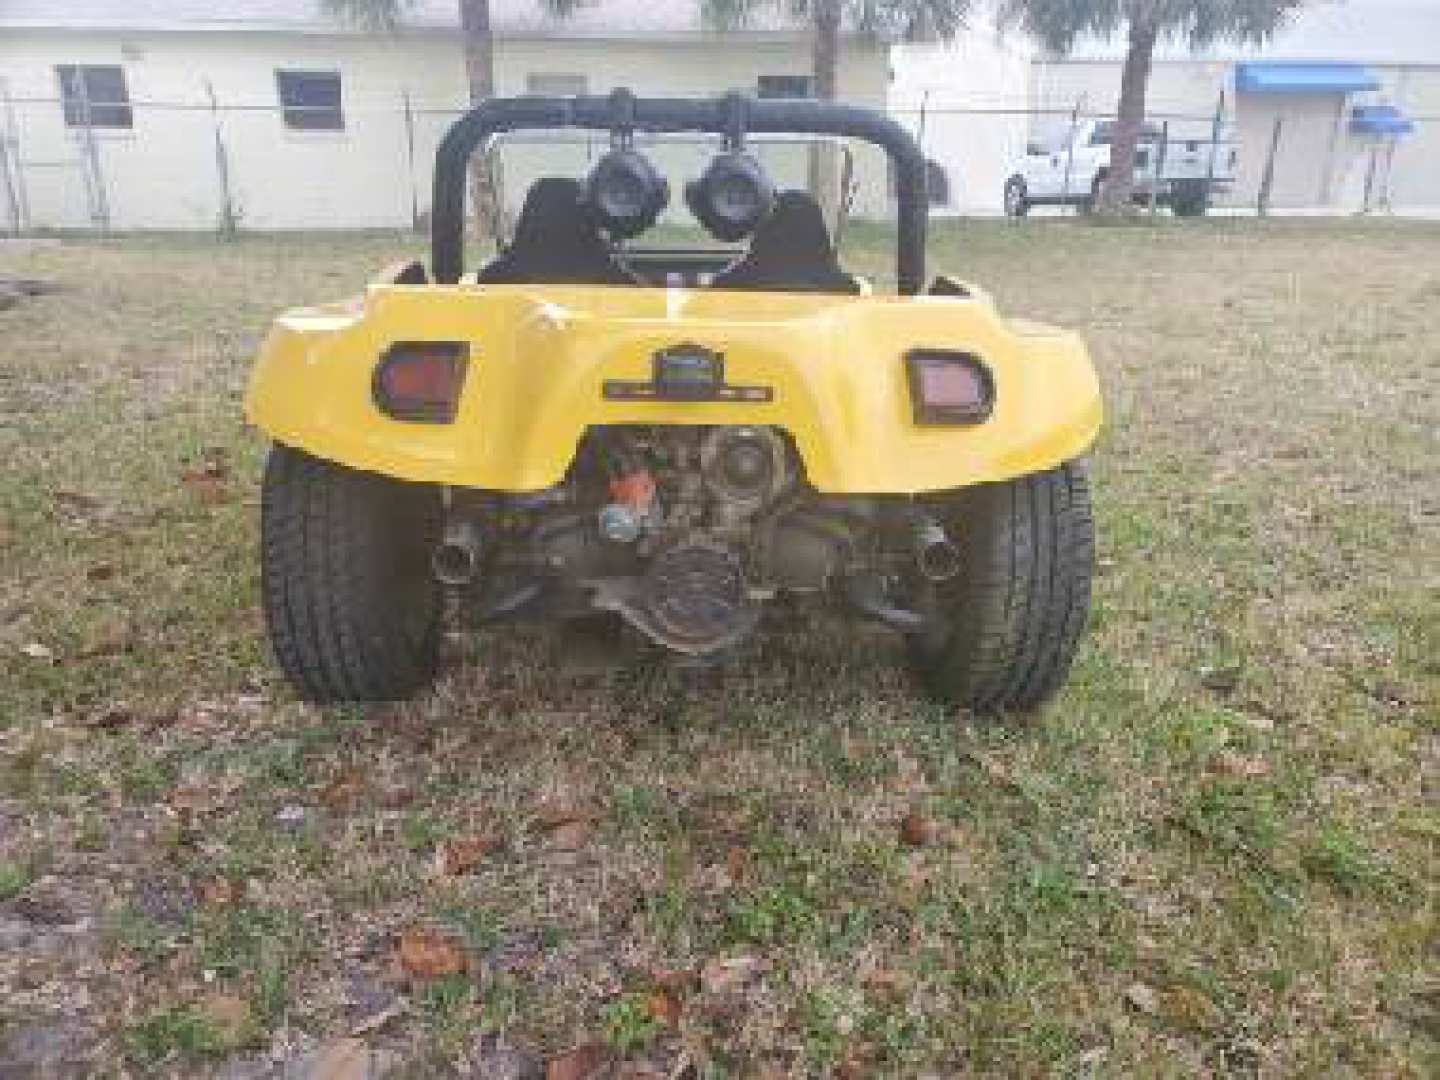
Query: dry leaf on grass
column 108, row 639
column 208, row 482
column 678, row 982
column 220, row 892
column 345, row 790
column 100, row 572
column 887, row 982
column 427, row 952
column 581, row 1063
column 664, row 1007
column 36, row 651
column 110, row 718
column 230, row 1016
column 723, row 975
column 995, row 770
column 555, row 813
column 917, row 830
column 1186, row 1007
column 737, row 864
column 196, row 800
column 456, row 857
column 909, row 775
column 1257, row 717
column 859, row 1064
column 1142, row 998
column 344, row 1059
column 375, row 1021
column 1229, row 763
column 572, row 836
column 396, row 796
column 80, row 501
column 1220, row 680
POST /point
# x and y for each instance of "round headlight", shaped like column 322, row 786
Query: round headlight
column 731, row 197
column 625, row 193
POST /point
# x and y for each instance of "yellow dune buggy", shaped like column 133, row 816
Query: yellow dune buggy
column 673, row 436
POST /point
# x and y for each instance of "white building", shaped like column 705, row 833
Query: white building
column 273, row 113
column 322, row 124
column 1354, row 84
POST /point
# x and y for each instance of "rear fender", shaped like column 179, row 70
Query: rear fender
column 540, row 356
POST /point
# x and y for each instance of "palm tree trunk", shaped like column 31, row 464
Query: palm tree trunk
column 479, row 49
column 825, row 48
column 825, row 18
column 479, row 45
column 1134, row 77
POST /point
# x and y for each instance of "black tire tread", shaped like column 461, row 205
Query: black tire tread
column 335, row 543
column 1017, row 611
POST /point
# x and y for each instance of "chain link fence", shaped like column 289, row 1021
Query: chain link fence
column 80, row 162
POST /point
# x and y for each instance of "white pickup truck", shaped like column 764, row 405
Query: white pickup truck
column 1182, row 172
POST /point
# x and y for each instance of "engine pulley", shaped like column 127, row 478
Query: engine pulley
column 696, row 592
column 693, row 598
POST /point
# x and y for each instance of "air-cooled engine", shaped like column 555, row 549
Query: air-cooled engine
column 685, row 531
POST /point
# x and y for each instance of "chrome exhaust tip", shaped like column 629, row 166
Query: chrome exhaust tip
column 937, row 557
column 456, row 559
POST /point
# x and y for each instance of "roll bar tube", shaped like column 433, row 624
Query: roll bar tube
column 656, row 115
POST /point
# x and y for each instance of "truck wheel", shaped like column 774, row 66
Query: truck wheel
column 1007, row 626
column 1189, row 205
column 1016, row 203
column 350, row 603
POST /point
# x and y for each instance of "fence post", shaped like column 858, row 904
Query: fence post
column 228, row 221
column 1388, row 177
column 17, row 185
column 1215, row 142
column 11, row 199
column 1070, row 145
column 410, row 158
column 1374, row 159
column 1158, row 166
column 90, row 155
column 1267, row 178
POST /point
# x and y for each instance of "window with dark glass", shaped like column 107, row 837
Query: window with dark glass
column 783, row 86
column 310, row 100
column 94, row 94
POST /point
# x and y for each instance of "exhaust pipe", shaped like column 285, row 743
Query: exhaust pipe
column 936, row 555
column 456, row 559
column 867, row 593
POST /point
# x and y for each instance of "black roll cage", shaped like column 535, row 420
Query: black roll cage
column 621, row 113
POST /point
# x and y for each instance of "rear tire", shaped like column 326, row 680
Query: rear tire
column 1017, row 205
column 1008, row 625
column 350, row 603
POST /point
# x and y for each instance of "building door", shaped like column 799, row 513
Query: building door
column 1310, row 129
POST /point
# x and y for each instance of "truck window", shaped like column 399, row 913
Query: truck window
column 1104, row 132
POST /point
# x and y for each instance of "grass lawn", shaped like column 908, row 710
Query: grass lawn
column 1216, row 852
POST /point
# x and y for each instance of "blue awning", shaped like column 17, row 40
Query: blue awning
column 1274, row 77
column 1380, row 120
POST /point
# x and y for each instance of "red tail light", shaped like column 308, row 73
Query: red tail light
column 420, row 381
column 949, row 387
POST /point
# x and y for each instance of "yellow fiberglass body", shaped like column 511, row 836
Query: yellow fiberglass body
column 540, row 356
